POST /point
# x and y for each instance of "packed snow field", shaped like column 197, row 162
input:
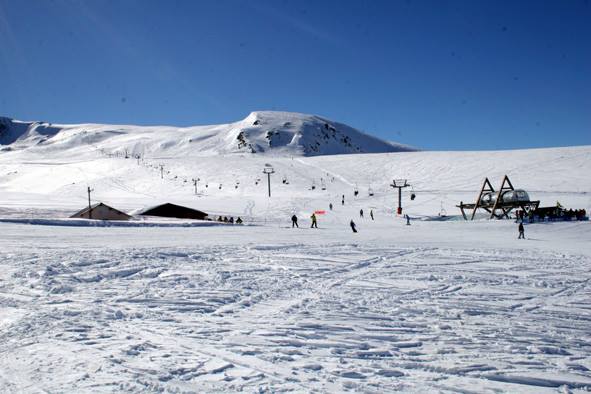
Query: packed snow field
column 442, row 305
column 414, row 308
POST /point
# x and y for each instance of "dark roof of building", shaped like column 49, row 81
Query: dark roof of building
column 85, row 210
column 173, row 210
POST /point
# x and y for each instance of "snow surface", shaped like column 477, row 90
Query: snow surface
column 442, row 305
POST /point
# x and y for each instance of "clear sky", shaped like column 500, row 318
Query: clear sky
column 439, row 75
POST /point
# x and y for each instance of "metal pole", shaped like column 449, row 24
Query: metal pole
column 269, row 182
column 399, row 199
column 89, row 210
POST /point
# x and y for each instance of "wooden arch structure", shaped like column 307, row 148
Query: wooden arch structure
column 493, row 202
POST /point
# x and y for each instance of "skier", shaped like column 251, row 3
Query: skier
column 231, row 220
column 352, row 224
column 361, row 213
column 521, row 231
column 330, row 206
column 294, row 221
column 343, row 200
column 314, row 223
column 407, row 220
column 371, row 213
column 238, row 221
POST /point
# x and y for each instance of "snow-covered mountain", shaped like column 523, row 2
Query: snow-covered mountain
column 178, row 306
column 270, row 132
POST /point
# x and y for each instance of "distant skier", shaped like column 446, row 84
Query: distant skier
column 238, row 221
column 314, row 223
column 407, row 220
column 231, row 220
column 330, row 206
column 521, row 231
column 352, row 224
column 343, row 200
column 361, row 213
column 371, row 214
column 294, row 221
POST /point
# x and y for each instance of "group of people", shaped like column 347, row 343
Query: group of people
column 225, row 219
column 370, row 213
column 294, row 219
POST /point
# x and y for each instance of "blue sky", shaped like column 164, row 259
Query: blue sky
column 440, row 75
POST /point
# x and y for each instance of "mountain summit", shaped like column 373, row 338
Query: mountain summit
column 261, row 132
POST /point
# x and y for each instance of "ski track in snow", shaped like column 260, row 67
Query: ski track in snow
column 282, row 317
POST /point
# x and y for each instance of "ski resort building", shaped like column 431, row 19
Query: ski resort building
column 169, row 210
column 101, row 211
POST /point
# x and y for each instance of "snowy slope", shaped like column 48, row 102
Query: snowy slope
column 277, row 133
column 437, row 306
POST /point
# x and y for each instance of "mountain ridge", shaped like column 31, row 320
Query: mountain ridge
column 261, row 132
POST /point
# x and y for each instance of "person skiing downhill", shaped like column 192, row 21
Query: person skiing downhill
column 352, row 224
column 294, row 221
column 314, row 223
column 330, row 206
column 371, row 214
column 521, row 231
column 343, row 200
column 361, row 213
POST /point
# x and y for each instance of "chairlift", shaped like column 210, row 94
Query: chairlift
column 413, row 195
column 220, row 187
column 370, row 192
column 356, row 191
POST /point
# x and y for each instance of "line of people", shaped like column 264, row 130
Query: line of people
column 225, row 219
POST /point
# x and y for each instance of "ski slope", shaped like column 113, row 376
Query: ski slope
column 437, row 306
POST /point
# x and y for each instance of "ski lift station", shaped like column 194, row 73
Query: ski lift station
column 499, row 203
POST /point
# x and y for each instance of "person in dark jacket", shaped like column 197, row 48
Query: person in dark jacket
column 238, row 221
column 521, row 231
column 352, row 224
column 330, row 206
column 371, row 213
column 361, row 213
column 294, row 221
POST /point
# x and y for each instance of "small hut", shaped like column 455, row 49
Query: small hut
column 169, row 210
column 101, row 211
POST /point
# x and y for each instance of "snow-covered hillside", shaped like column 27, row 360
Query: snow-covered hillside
column 276, row 133
column 437, row 306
